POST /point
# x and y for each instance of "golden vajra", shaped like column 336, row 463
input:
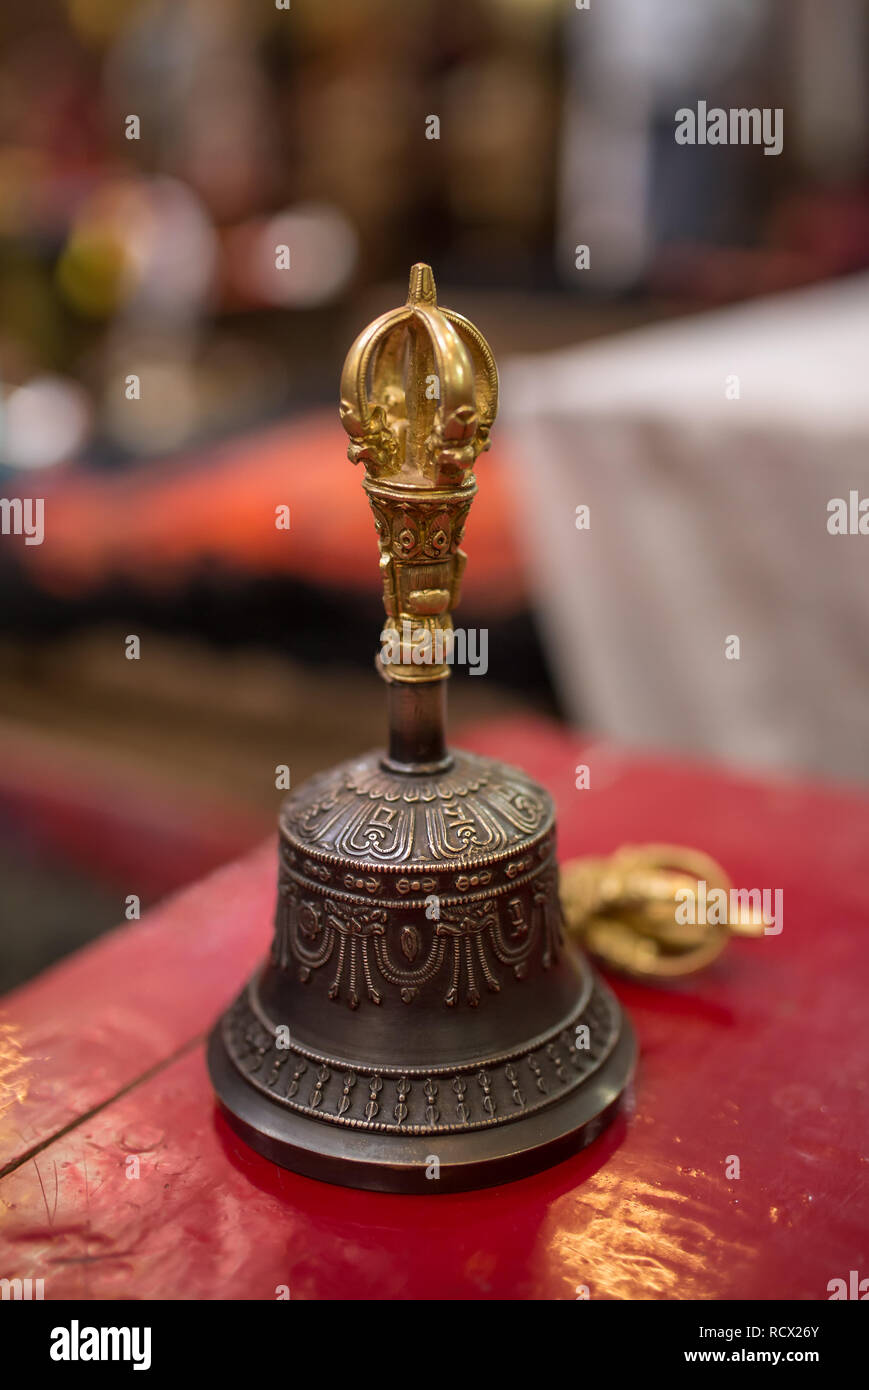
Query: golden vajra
column 419, row 393
column 624, row 910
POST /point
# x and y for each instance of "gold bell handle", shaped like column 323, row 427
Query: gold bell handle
column 419, row 395
column 632, row 910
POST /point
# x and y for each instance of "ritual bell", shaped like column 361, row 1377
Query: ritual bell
column 422, row 1023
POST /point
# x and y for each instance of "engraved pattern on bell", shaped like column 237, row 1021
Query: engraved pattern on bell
column 497, row 1098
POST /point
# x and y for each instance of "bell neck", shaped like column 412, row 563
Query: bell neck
column 417, row 713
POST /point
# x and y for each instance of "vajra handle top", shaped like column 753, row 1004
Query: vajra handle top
column 419, row 393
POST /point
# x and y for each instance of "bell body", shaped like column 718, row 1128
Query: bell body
column 421, row 1024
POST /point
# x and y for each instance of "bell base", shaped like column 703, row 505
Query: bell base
column 391, row 1163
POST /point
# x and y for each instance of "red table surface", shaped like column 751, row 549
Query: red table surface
column 762, row 1057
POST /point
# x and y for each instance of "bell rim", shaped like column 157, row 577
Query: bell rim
column 392, row 1163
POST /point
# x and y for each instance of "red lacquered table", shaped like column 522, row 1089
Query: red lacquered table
column 762, row 1058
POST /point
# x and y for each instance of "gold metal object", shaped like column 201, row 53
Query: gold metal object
column 419, row 393
column 623, row 909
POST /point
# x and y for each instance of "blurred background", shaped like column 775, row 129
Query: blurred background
column 164, row 385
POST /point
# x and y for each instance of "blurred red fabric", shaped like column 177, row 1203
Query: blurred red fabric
column 162, row 521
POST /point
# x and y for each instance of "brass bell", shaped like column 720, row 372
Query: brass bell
column 421, row 1024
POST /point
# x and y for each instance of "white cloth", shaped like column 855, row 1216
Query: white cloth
column 708, row 521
